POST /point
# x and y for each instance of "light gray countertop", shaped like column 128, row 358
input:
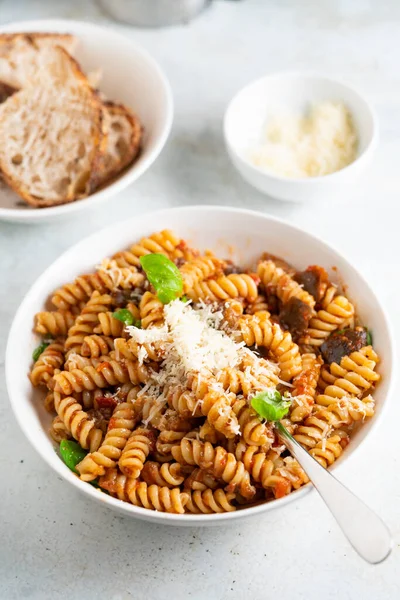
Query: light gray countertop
column 55, row 543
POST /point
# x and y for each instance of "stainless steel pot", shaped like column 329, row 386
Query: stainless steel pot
column 153, row 13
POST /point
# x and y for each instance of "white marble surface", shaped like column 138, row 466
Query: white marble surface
column 56, row 544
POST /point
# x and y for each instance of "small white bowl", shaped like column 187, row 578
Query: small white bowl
column 130, row 76
column 224, row 230
column 244, row 125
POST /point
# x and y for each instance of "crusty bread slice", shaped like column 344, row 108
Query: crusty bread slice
column 51, row 134
column 124, row 134
column 20, row 54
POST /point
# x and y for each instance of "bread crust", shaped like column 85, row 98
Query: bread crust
column 110, row 169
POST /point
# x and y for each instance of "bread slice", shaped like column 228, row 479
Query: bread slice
column 51, row 135
column 124, row 134
column 20, row 54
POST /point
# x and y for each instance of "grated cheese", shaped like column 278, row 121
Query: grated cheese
column 190, row 342
column 322, row 142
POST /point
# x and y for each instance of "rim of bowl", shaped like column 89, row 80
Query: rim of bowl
column 134, row 171
column 189, row 519
column 369, row 148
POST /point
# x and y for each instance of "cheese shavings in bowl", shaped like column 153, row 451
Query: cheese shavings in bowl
column 299, row 146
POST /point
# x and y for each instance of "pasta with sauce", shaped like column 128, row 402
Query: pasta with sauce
column 159, row 393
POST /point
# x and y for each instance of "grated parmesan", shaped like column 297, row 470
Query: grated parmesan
column 190, row 342
column 322, row 142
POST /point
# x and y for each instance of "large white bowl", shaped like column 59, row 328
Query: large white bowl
column 250, row 234
column 129, row 75
column 244, row 128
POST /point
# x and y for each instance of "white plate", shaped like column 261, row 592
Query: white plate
column 130, row 76
column 221, row 229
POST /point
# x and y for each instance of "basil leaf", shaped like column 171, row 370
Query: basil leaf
column 270, row 405
column 124, row 315
column 163, row 275
column 71, row 453
column 369, row 337
column 38, row 351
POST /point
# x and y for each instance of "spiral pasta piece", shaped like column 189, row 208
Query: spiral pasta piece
column 263, row 468
column 217, row 408
column 248, row 377
column 282, row 284
column 210, row 501
column 153, row 497
column 50, row 360
column 335, row 312
column 207, row 399
column 304, row 388
column 166, row 441
column 119, row 429
column 208, row 433
column 228, row 286
column 200, row 268
column 131, row 350
column 94, row 346
column 152, row 411
column 49, row 402
column 258, row 330
column 78, row 422
column 87, row 321
column 356, row 373
column 151, row 311
column 184, row 402
column 218, row 462
column 353, row 377
column 105, row 374
column 254, row 431
column 200, row 480
column 324, row 419
column 106, row 279
column 260, row 305
column 165, row 475
column 328, row 450
column 55, row 323
column 163, row 242
column 139, row 445
column 58, row 430
column 109, row 326
column 292, row 476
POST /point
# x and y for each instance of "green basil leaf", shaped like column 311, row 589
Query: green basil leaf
column 163, row 275
column 38, row 351
column 124, row 315
column 270, row 405
column 369, row 337
column 71, row 453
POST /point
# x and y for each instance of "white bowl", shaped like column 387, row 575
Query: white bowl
column 129, row 75
column 250, row 233
column 248, row 111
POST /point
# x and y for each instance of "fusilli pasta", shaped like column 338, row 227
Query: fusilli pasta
column 162, row 397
